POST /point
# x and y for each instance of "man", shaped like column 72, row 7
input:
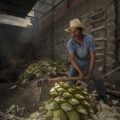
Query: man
column 81, row 50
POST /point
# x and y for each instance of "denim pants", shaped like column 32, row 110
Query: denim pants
column 96, row 76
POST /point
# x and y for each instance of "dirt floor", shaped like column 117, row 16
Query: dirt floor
column 26, row 98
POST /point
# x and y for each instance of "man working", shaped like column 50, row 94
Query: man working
column 81, row 50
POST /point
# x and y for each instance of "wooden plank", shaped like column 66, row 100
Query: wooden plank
column 97, row 13
column 99, row 54
column 99, row 48
column 59, row 79
column 98, row 20
column 100, row 39
column 99, row 61
column 98, row 28
column 114, row 93
column 100, row 68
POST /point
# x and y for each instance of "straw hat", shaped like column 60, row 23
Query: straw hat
column 74, row 24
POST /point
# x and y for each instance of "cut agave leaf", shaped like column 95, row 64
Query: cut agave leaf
column 67, row 95
column 79, row 97
column 60, row 90
column 60, row 99
column 52, row 89
column 72, row 90
column 49, row 114
column 52, row 106
column 65, row 85
column 73, row 101
column 59, row 115
column 81, row 110
column 86, row 103
column 54, row 94
column 66, row 107
column 56, row 85
column 73, row 115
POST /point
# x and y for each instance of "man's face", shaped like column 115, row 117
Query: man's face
column 76, row 33
column 71, row 32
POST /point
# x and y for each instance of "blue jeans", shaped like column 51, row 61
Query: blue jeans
column 98, row 81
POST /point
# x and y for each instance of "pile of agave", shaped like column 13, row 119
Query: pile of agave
column 42, row 67
column 68, row 103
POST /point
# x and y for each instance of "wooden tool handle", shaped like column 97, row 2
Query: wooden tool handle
column 58, row 79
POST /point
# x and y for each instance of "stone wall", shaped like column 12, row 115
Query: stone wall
column 99, row 17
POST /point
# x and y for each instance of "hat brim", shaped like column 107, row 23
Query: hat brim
column 69, row 29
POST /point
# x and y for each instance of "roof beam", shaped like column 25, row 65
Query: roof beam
column 6, row 5
column 47, row 3
column 52, row 8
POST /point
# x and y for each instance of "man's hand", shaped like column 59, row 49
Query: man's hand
column 81, row 75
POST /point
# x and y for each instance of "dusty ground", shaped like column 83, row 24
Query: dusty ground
column 27, row 96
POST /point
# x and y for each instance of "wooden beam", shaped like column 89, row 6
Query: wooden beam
column 99, row 48
column 100, row 39
column 114, row 93
column 47, row 3
column 99, row 61
column 52, row 8
column 97, row 13
column 99, row 54
column 58, row 79
column 98, row 20
column 98, row 28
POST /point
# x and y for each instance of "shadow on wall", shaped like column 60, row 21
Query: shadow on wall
column 16, row 44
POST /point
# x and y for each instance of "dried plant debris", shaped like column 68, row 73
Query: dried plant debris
column 63, row 110
column 41, row 68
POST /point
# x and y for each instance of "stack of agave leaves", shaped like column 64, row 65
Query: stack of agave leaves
column 42, row 67
column 69, row 103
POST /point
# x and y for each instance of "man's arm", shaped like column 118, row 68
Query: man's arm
column 75, row 65
column 92, row 64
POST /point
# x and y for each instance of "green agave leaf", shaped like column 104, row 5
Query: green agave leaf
column 60, row 90
column 72, row 90
column 52, row 106
column 59, row 115
column 60, row 99
column 81, row 110
column 73, row 101
column 67, row 95
column 66, row 107
column 53, row 93
column 79, row 96
column 49, row 114
column 73, row 115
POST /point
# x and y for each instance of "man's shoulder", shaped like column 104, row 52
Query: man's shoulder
column 88, row 36
column 70, row 41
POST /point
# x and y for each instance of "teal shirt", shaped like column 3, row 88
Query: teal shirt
column 82, row 51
